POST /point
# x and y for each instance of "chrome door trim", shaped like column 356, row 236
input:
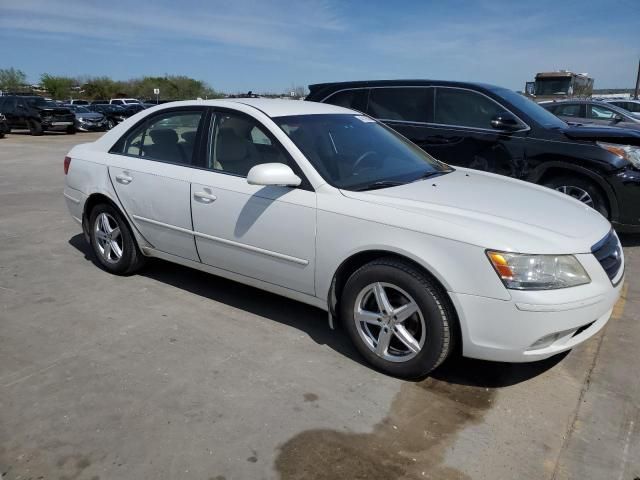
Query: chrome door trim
column 224, row 241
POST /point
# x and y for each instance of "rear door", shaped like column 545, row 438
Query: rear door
column 262, row 232
column 150, row 169
column 571, row 112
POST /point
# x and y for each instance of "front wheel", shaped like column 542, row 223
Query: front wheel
column 110, row 124
column 113, row 242
column 397, row 317
column 581, row 189
column 35, row 128
column 71, row 130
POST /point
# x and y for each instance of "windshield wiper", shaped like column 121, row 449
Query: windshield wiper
column 426, row 175
column 380, row 184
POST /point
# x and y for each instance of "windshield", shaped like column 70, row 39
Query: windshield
column 354, row 152
column 530, row 108
column 552, row 86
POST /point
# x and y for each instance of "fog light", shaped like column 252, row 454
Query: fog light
column 549, row 339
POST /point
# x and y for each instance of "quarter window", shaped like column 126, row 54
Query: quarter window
column 238, row 143
column 169, row 138
column 412, row 104
column 464, row 108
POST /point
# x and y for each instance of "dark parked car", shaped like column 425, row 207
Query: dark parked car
column 113, row 113
column 36, row 114
column 132, row 108
column 4, row 126
column 86, row 120
column 593, row 112
column 497, row 130
column 629, row 105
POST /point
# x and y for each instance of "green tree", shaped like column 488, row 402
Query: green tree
column 58, row 87
column 12, row 79
column 99, row 88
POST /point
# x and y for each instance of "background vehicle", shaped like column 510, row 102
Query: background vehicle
column 36, row 114
column 132, row 108
column 497, row 130
column 78, row 102
column 560, row 84
column 329, row 207
column 99, row 102
column 87, row 120
column 4, row 126
column 630, row 105
column 123, row 101
column 113, row 113
column 593, row 112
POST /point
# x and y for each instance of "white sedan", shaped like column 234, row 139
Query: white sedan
column 329, row 207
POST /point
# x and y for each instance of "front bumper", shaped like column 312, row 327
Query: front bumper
column 534, row 325
column 626, row 185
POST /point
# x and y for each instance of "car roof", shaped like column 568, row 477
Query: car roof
column 268, row 106
column 399, row 82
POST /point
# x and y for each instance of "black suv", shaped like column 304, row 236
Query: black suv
column 36, row 114
column 497, row 130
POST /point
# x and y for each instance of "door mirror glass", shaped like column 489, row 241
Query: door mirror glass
column 273, row 174
column 617, row 118
column 505, row 121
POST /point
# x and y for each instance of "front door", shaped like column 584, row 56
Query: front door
column 150, row 169
column 266, row 233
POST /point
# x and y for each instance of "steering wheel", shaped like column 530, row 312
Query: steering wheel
column 361, row 158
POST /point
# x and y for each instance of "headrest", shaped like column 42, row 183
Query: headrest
column 231, row 148
column 164, row 136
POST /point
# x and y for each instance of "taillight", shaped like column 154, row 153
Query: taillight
column 67, row 162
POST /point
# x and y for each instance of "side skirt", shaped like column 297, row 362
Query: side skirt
column 269, row 287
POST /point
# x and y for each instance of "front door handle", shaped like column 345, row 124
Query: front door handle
column 124, row 178
column 204, row 197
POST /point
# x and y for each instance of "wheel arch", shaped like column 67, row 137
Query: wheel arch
column 361, row 258
column 554, row 169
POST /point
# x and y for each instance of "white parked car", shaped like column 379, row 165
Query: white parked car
column 123, row 101
column 327, row 206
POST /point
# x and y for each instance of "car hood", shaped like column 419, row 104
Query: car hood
column 604, row 134
column 92, row 115
column 491, row 211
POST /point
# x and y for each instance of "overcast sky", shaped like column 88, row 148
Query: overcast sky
column 269, row 45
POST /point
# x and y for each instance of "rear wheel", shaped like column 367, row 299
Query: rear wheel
column 35, row 127
column 113, row 242
column 581, row 189
column 397, row 317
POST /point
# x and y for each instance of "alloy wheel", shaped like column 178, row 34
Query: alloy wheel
column 577, row 193
column 108, row 238
column 389, row 322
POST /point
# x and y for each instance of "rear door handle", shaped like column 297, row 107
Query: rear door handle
column 204, row 197
column 124, row 178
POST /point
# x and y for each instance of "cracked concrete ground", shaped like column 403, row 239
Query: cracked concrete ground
column 177, row 374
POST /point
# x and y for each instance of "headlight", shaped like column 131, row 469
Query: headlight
column 628, row 152
column 80, row 119
column 538, row 272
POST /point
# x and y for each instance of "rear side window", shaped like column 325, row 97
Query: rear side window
column 411, row 104
column 355, row 99
column 170, row 137
column 465, row 108
column 574, row 110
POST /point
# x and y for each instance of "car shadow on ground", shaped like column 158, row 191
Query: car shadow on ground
column 314, row 322
column 629, row 239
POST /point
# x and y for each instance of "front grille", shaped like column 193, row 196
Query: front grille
column 609, row 253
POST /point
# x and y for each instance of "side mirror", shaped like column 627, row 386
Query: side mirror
column 506, row 121
column 617, row 118
column 273, row 174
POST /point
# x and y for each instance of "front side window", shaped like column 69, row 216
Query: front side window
column 601, row 113
column 411, row 104
column 355, row 152
column 355, row 99
column 169, row 137
column 464, row 108
column 237, row 143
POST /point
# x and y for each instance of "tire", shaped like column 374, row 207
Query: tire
column 581, row 189
column 35, row 128
column 71, row 130
column 110, row 124
column 117, row 254
column 430, row 326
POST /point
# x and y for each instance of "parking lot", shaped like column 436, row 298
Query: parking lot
column 174, row 373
